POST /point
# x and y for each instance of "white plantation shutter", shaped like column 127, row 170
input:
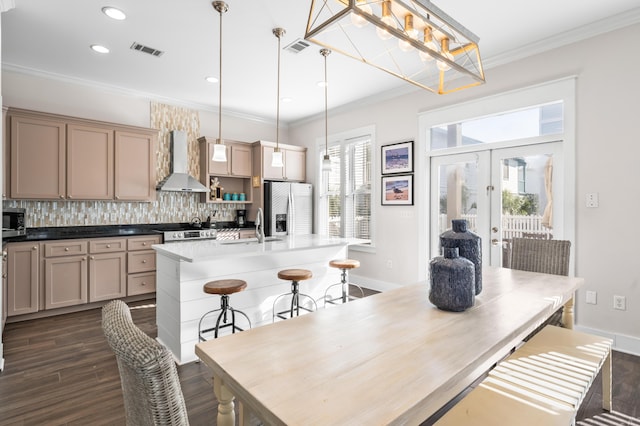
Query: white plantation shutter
column 345, row 199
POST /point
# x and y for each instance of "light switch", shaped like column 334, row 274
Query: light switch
column 592, row 297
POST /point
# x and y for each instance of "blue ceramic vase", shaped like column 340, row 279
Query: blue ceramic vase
column 469, row 246
column 452, row 280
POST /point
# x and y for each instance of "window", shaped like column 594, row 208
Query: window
column 345, row 191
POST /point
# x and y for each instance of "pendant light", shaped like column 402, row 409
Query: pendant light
column 276, row 158
column 326, row 161
column 219, row 149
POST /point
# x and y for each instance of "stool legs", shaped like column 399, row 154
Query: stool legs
column 222, row 319
column 344, row 284
column 295, row 303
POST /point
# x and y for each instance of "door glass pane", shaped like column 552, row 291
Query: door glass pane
column 526, row 199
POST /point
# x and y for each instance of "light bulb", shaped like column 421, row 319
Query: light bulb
column 387, row 19
column 404, row 45
column 326, row 163
column 429, row 43
column 276, row 158
column 444, row 51
column 357, row 20
column 219, row 152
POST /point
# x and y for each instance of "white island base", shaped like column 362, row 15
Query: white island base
column 184, row 267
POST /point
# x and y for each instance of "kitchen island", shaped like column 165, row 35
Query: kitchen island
column 184, row 267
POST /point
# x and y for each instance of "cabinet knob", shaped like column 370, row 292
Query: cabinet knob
column 66, row 249
column 108, row 245
column 34, row 248
column 143, row 283
column 144, row 261
column 117, row 197
column 92, row 257
column 62, row 196
column 84, row 259
column 144, row 244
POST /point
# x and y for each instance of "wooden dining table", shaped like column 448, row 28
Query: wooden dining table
column 390, row 358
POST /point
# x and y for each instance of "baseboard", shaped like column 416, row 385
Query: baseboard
column 371, row 283
column 621, row 342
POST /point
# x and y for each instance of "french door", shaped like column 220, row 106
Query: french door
column 503, row 193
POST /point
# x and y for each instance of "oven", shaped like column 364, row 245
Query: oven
column 182, row 234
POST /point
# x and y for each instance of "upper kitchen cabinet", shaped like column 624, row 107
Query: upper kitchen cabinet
column 57, row 157
column 238, row 162
column 37, row 151
column 135, row 166
column 293, row 157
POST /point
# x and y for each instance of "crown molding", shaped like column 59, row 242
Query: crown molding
column 7, row 5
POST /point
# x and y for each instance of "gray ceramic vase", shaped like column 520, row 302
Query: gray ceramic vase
column 452, row 280
column 469, row 246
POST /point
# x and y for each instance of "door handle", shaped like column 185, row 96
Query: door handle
column 494, row 229
column 495, row 242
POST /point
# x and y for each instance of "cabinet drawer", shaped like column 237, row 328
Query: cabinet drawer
column 141, row 283
column 143, row 243
column 247, row 233
column 107, row 245
column 142, row 261
column 65, row 248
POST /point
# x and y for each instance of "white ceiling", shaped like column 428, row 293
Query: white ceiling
column 52, row 38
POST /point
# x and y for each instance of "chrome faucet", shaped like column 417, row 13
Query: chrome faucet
column 260, row 225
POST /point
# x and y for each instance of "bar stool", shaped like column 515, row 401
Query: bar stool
column 293, row 275
column 223, row 288
column 343, row 265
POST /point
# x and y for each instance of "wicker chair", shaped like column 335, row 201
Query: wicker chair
column 148, row 374
column 545, row 256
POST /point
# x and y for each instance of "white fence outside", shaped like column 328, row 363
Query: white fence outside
column 513, row 226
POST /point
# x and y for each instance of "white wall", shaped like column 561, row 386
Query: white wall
column 607, row 148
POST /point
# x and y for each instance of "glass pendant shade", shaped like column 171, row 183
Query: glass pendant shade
column 276, row 158
column 401, row 37
column 219, row 152
column 326, row 163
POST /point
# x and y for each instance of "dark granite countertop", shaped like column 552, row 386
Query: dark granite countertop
column 71, row 232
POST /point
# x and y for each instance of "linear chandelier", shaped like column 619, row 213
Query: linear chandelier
column 410, row 39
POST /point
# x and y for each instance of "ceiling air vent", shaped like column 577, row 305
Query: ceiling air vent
column 146, row 49
column 297, row 46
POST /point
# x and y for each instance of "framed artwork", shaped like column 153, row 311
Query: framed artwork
column 397, row 158
column 397, row 190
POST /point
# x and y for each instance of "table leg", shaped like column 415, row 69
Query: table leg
column 226, row 412
column 607, row 374
column 567, row 314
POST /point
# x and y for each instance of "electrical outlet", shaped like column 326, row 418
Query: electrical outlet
column 592, row 298
column 591, row 200
column 620, row 303
column 389, row 264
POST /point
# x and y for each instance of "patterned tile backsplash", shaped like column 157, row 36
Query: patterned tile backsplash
column 169, row 207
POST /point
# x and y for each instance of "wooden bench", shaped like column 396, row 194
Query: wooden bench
column 542, row 383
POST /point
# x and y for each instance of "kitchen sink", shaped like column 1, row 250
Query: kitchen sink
column 249, row 241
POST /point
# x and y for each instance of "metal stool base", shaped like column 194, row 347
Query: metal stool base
column 222, row 320
column 345, row 296
column 295, row 308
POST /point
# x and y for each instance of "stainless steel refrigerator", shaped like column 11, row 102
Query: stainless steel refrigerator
column 288, row 208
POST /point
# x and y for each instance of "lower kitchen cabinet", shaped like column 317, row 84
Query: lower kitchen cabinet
column 107, row 276
column 22, row 278
column 141, row 283
column 141, row 264
column 65, row 273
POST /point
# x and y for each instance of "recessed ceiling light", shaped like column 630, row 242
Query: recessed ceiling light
column 286, row 99
column 114, row 13
column 211, row 79
column 98, row 48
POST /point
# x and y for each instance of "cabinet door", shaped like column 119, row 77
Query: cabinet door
column 241, row 160
column 218, row 168
column 65, row 281
column 37, row 158
column 89, row 163
column 295, row 165
column 107, row 276
column 22, row 278
column 269, row 172
column 135, row 166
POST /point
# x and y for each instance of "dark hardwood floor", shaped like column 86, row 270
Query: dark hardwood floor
column 60, row 371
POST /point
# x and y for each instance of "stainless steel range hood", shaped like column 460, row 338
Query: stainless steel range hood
column 179, row 179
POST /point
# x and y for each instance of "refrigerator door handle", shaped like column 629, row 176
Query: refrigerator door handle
column 291, row 212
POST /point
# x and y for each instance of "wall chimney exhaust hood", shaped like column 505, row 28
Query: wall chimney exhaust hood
column 179, row 179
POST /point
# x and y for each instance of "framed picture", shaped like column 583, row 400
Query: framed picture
column 397, row 190
column 397, row 158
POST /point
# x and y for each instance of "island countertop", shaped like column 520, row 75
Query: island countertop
column 203, row 250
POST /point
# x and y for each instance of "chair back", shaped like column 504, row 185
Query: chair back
column 148, row 374
column 545, row 256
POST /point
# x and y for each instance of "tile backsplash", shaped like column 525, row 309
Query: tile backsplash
column 170, row 207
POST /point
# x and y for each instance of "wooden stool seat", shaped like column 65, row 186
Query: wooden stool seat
column 225, row 286
column 295, row 274
column 344, row 263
